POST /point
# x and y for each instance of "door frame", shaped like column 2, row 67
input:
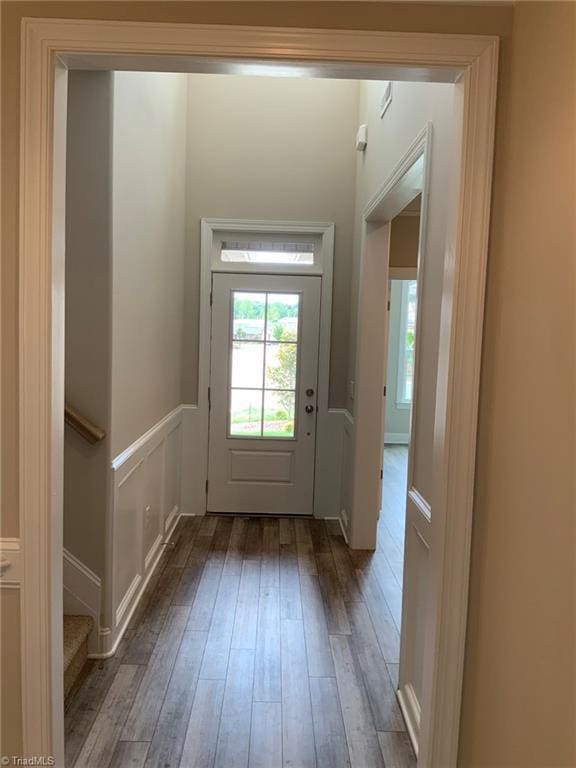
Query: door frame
column 323, row 268
column 372, row 333
column 49, row 47
column 377, row 217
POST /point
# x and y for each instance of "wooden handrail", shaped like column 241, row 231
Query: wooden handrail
column 89, row 431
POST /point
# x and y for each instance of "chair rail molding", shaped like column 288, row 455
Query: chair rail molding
column 50, row 47
column 11, row 570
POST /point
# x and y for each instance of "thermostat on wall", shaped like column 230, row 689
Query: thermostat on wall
column 362, row 138
column 386, row 99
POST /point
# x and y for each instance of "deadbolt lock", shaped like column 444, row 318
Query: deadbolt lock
column 309, row 392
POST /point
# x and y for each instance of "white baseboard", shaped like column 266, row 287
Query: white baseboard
column 410, row 709
column 397, row 438
column 82, row 594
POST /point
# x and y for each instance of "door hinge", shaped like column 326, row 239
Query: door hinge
column 211, row 298
column 209, row 399
column 388, row 306
column 206, row 487
column 384, row 391
column 381, row 474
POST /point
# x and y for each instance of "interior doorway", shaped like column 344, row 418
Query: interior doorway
column 42, row 386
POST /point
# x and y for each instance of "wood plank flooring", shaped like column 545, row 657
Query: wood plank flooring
column 260, row 643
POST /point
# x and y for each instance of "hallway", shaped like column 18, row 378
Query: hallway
column 261, row 642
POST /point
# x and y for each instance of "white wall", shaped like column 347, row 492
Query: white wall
column 149, row 137
column 88, row 310
column 126, row 232
column 149, row 230
column 413, row 106
column 272, row 148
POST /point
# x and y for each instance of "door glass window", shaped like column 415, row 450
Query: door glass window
column 264, row 364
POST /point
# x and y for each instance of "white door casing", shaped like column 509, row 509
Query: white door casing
column 469, row 61
column 258, row 464
column 410, row 177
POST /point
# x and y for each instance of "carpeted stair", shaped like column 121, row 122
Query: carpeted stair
column 76, row 632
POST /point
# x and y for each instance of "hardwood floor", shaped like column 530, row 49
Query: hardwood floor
column 261, row 643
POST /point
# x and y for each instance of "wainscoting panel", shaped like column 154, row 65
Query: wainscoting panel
column 153, row 523
column 128, row 529
column 415, row 625
column 146, row 506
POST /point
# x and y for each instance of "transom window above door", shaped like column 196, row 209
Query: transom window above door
column 268, row 247
column 264, row 342
column 271, row 252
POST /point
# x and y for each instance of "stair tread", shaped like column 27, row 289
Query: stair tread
column 76, row 630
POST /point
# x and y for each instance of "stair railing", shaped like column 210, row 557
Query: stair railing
column 91, row 432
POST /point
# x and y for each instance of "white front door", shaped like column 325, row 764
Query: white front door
column 263, row 392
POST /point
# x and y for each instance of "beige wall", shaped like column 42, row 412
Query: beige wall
column 149, row 194
column 10, row 720
column 404, row 239
column 519, row 670
column 272, row 148
column 88, row 310
column 520, row 681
